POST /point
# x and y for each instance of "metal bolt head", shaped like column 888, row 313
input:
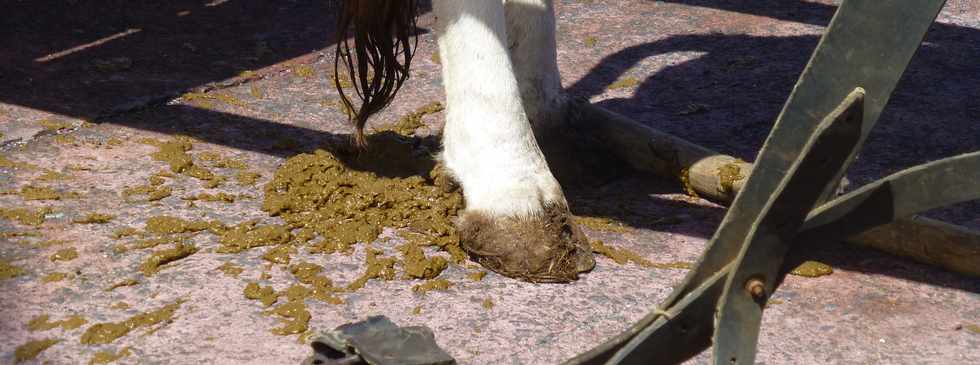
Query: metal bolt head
column 756, row 288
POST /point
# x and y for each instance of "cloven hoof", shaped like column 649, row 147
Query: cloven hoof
column 545, row 249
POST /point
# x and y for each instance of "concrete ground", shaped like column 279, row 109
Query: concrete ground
column 84, row 85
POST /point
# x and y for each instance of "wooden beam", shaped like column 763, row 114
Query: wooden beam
column 929, row 241
column 718, row 177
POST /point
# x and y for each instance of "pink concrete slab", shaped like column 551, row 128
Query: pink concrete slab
column 714, row 72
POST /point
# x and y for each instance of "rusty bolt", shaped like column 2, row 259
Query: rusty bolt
column 756, row 288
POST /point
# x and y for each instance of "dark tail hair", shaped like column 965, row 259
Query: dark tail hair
column 379, row 61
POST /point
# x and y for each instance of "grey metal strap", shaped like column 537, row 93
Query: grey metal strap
column 902, row 194
column 753, row 277
column 868, row 45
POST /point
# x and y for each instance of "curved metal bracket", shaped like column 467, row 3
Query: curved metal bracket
column 827, row 117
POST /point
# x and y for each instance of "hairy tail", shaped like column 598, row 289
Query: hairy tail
column 378, row 62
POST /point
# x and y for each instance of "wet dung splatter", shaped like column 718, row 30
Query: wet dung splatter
column 43, row 323
column 623, row 256
column 94, row 218
column 154, row 263
column 105, row 357
column 8, row 271
column 812, row 269
column 434, row 284
column 104, row 333
column 29, row 217
column 65, row 254
column 347, row 197
column 30, row 350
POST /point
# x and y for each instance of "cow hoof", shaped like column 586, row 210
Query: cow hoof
column 545, row 248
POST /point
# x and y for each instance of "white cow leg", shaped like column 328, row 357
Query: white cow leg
column 532, row 48
column 516, row 221
column 574, row 160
